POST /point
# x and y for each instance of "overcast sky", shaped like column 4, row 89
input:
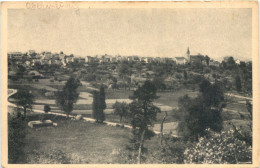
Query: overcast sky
column 144, row 32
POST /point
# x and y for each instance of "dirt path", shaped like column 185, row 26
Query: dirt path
column 238, row 96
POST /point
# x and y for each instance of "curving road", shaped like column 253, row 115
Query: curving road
column 12, row 92
column 156, row 128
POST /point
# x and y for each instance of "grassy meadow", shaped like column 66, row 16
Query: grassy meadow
column 90, row 143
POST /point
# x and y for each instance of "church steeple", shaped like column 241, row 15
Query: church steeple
column 188, row 54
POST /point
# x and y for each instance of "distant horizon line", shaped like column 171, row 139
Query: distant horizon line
column 80, row 56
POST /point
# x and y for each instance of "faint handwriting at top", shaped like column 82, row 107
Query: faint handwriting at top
column 50, row 5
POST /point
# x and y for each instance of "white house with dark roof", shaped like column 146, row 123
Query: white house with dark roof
column 181, row 60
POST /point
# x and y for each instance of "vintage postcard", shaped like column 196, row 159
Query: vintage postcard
column 135, row 84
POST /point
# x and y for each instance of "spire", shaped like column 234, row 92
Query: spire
column 188, row 54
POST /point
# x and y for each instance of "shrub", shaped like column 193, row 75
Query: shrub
column 218, row 148
column 121, row 109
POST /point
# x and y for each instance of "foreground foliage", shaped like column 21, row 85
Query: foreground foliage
column 218, row 148
column 16, row 136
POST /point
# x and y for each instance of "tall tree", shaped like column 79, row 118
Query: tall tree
column 95, row 104
column 143, row 113
column 99, row 105
column 66, row 98
column 25, row 99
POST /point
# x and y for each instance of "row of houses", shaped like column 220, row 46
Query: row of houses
column 32, row 58
column 109, row 58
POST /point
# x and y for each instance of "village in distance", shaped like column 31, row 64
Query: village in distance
column 113, row 109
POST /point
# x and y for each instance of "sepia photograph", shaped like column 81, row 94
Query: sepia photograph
column 130, row 83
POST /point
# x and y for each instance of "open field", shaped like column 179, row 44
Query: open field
column 171, row 98
column 91, row 143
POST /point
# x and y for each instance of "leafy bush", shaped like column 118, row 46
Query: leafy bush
column 218, row 148
column 121, row 109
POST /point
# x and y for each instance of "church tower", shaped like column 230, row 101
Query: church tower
column 188, row 55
